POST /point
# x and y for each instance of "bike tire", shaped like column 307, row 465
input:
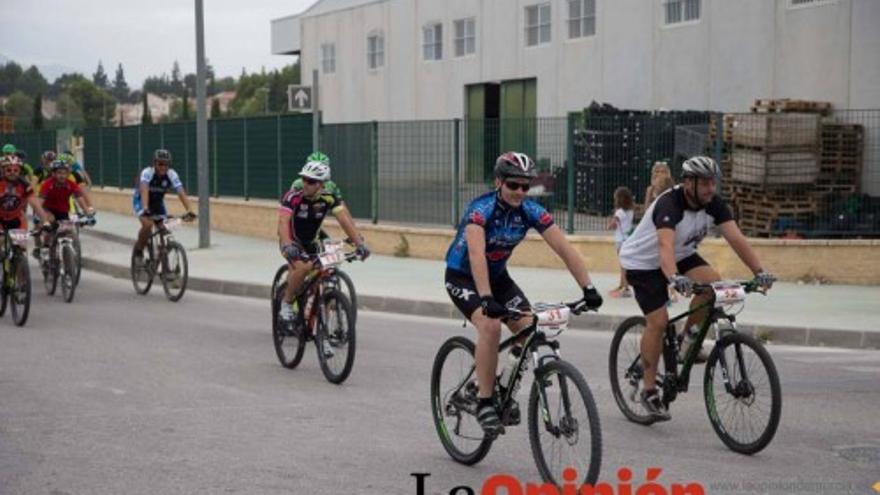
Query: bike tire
column 69, row 272
column 289, row 360
column 347, row 289
column 77, row 246
column 20, row 297
column 174, row 271
column 280, row 276
column 571, row 385
column 142, row 273
column 336, row 329
column 442, row 405
column 626, row 388
column 737, row 342
column 50, row 275
column 4, row 294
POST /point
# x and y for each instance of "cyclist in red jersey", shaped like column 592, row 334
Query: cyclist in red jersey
column 15, row 194
column 56, row 191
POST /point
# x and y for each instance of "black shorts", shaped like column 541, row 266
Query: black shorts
column 463, row 292
column 15, row 223
column 60, row 215
column 652, row 288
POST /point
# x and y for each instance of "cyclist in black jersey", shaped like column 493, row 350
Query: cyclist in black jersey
column 299, row 222
column 662, row 252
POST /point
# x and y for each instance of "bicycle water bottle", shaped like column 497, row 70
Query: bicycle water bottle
column 509, row 366
column 690, row 335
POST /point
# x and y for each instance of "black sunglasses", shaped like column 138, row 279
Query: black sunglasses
column 513, row 186
column 310, row 181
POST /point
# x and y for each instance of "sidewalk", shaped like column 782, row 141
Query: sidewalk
column 832, row 315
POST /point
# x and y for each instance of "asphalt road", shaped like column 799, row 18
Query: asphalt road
column 123, row 394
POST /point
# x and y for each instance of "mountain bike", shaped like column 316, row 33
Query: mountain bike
column 340, row 281
column 60, row 260
column 162, row 256
column 563, row 420
column 325, row 316
column 16, row 281
column 740, row 380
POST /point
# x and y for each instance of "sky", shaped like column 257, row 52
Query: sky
column 146, row 36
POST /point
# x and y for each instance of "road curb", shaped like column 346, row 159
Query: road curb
column 812, row 337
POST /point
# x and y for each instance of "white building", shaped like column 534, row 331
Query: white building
column 439, row 59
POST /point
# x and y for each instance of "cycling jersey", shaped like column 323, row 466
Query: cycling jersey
column 13, row 198
column 306, row 214
column 56, row 196
column 671, row 210
column 158, row 185
column 505, row 227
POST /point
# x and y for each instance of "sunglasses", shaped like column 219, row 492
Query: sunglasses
column 513, row 186
column 310, row 181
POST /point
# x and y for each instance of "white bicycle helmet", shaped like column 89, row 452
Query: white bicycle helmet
column 316, row 170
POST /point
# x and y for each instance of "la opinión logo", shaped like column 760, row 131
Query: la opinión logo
column 506, row 484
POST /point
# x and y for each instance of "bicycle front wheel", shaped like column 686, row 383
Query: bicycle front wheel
column 78, row 248
column 454, row 402
column 564, row 429
column 290, row 341
column 280, row 276
column 742, row 392
column 50, row 274
column 626, row 370
column 174, row 271
column 336, row 337
column 69, row 272
column 347, row 289
column 142, row 271
column 20, row 294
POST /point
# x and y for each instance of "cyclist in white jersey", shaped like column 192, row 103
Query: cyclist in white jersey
column 662, row 251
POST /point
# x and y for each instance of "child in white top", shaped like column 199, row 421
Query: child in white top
column 622, row 223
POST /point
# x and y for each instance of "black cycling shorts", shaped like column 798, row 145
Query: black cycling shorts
column 60, row 215
column 463, row 292
column 651, row 287
column 15, row 223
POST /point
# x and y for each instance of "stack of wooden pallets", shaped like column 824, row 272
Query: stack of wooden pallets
column 840, row 167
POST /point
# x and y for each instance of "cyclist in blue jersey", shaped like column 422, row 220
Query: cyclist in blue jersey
column 477, row 280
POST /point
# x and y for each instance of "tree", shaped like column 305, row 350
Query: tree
column 9, row 75
column 37, row 118
column 96, row 104
column 215, row 109
column 63, row 82
column 20, row 106
column 100, row 77
column 176, row 85
column 146, row 118
column 184, row 114
column 120, row 87
column 32, row 82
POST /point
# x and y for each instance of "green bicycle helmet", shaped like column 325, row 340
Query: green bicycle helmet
column 319, row 157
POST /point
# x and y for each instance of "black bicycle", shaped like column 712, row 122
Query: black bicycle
column 563, row 420
column 325, row 315
column 740, row 385
column 163, row 256
column 60, row 259
column 16, row 284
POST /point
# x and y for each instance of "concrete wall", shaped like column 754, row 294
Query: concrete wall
column 845, row 262
column 736, row 52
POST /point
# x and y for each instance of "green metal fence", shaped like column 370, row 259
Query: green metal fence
column 33, row 143
column 426, row 172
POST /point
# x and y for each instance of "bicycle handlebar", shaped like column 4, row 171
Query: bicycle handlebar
column 576, row 308
column 749, row 286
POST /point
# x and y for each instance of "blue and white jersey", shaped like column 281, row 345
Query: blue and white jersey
column 158, row 184
column 505, row 227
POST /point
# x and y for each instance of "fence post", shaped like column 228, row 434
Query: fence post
column 185, row 154
column 141, row 144
column 119, row 157
column 719, row 140
column 278, row 150
column 245, row 148
column 569, row 141
column 374, row 171
column 101, row 156
column 214, row 154
column 161, row 135
column 456, row 169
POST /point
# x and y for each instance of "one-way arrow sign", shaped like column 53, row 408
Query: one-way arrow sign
column 299, row 98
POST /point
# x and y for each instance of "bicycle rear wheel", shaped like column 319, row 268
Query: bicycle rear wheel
column 174, row 271
column 20, row 295
column 4, row 293
column 625, row 370
column 564, row 429
column 69, row 272
column 745, row 416
column 290, row 342
column 454, row 402
column 142, row 271
column 336, row 337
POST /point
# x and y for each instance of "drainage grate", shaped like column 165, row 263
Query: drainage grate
column 869, row 454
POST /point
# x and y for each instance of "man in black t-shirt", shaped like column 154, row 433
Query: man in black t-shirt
column 662, row 251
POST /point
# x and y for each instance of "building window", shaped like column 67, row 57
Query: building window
column 465, row 37
column 537, row 24
column 581, row 18
column 328, row 58
column 682, row 11
column 432, row 46
column 809, row 3
column 375, row 51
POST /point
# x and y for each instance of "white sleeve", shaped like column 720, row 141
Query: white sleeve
column 146, row 175
column 620, row 214
column 175, row 180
